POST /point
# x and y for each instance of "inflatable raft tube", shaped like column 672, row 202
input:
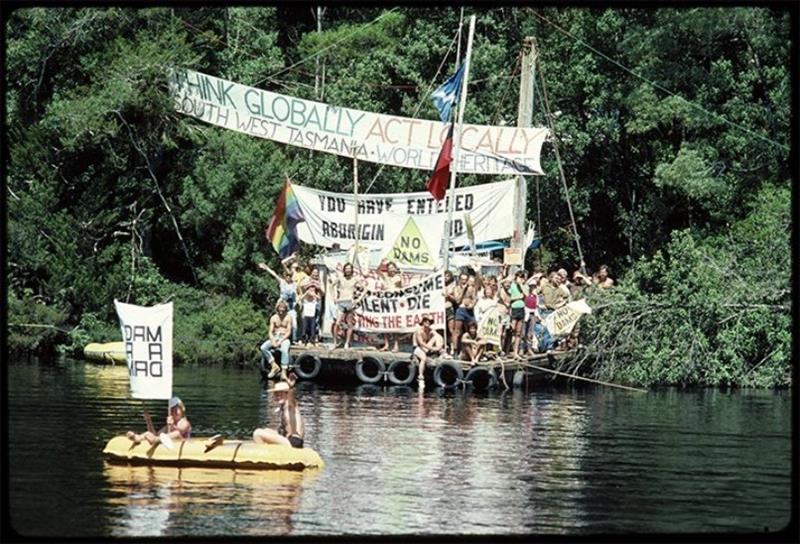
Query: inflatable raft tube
column 111, row 352
column 244, row 454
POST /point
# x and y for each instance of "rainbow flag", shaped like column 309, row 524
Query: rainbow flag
column 282, row 229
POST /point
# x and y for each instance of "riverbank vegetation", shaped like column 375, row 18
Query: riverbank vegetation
column 673, row 125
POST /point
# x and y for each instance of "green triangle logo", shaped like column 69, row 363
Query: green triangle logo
column 410, row 248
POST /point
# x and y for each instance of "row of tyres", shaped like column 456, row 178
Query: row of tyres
column 447, row 374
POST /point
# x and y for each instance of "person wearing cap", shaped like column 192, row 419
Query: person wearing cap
column 290, row 423
column 427, row 343
column 178, row 426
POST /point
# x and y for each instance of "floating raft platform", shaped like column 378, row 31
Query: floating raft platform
column 371, row 366
column 205, row 452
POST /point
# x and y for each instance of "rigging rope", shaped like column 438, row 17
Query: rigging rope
column 660, row 87
column 424, row 97
column 560, row 166
column 313, row 55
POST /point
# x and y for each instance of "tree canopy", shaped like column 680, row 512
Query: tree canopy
column 673, row 126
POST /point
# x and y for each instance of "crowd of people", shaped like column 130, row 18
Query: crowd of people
column 522, row 299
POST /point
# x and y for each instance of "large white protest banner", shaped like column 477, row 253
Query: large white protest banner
column 374, row 137
column 563, row 320
column 400, row 310
column 147, row 333
column 330, row 217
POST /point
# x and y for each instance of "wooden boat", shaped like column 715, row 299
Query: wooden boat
column 205, row 452
column 110, row 352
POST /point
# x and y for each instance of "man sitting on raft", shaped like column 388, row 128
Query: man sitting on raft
column 290, row 427
column 178, row 426
column 427, row 343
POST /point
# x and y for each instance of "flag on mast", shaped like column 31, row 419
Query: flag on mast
column 437, row 185
column 445, row 96
column 282, row 229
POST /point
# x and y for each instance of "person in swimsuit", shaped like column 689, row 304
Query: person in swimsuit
column 291, row 430
column 449, row 303
column 344, row 292
column 178, row 426
column 427, row 343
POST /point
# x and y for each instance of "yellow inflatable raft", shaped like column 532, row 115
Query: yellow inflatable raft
column 205, row 452
column 111, row 352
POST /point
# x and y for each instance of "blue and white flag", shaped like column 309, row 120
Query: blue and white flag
column 445, row 96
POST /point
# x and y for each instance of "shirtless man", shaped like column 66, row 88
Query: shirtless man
column 601, row 279
column 344, row 289
column 278, row 333
column 472, row 346
column 427, row 343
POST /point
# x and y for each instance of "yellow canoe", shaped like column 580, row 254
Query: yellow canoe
column 244, row 454
column 110, row 352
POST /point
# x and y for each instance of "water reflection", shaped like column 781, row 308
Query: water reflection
column 400, row 461
column 156, row 501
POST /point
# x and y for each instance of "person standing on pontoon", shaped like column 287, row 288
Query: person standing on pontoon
column 344, row 290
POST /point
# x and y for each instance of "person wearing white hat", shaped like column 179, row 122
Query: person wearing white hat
column 290, row 423
column 178, row 426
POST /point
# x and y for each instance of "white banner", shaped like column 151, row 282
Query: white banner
column 374, row 137
column 147, row 333
column 563, row 320
column 330, row 217
column 400, row 310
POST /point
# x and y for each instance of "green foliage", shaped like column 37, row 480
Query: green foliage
column 713, row 311
column 33, row 326
column 676, row 165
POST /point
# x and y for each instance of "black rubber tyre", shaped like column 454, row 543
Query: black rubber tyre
column 370, row 370
column 481, row 378
column 402, row 372
column 307, row 366
column 448, row 374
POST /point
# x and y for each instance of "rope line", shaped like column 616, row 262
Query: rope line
column 314, row 55
column 422, row 100
column 658, row 86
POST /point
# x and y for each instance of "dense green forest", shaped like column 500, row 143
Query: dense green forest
column 673, row 126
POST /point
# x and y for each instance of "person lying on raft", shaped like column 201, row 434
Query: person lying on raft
column 472, row 345
column 178, row 426
column 290, row 427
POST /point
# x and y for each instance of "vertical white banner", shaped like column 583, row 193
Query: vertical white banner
column 147, row 334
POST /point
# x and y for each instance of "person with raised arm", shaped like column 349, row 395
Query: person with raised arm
column 291, row 430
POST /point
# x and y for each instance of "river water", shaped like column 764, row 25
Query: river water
column 547, row 460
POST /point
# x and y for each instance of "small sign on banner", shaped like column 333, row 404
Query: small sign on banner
column 512, row 255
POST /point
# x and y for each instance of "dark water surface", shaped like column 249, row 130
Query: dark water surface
column 546, row 461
